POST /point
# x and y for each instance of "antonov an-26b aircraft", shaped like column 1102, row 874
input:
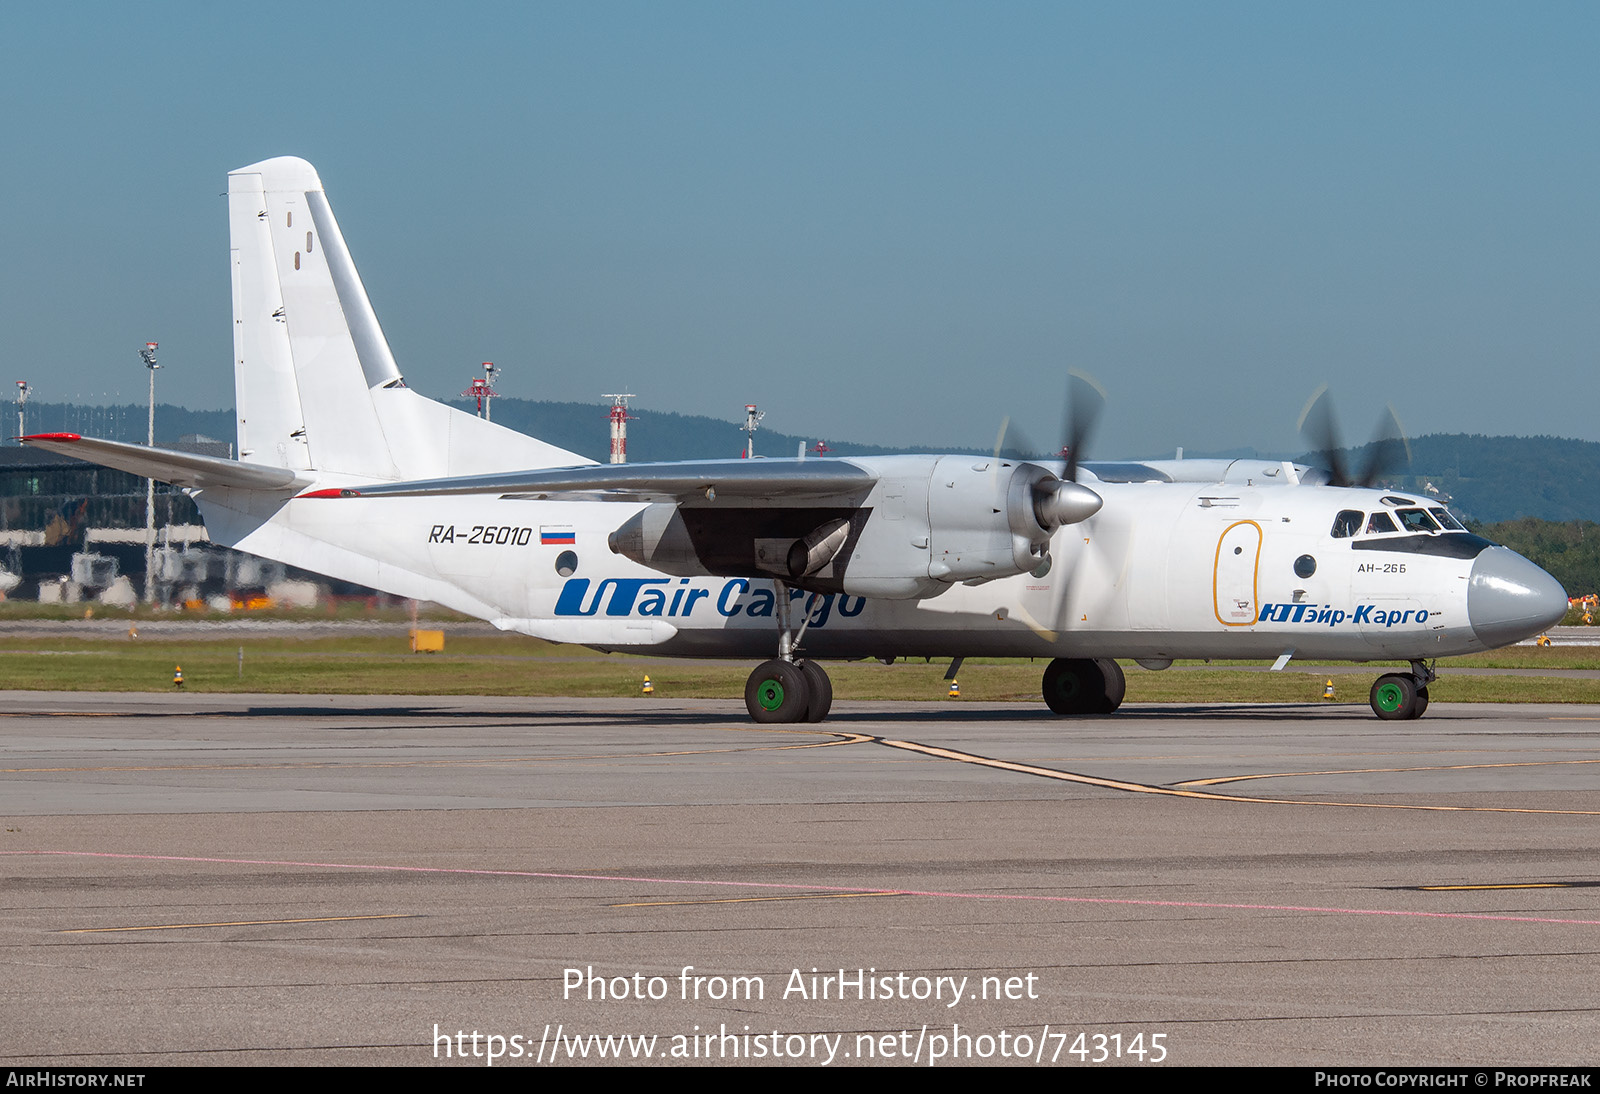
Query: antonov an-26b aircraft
column 344, row 471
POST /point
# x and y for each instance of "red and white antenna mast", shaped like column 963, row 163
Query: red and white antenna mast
column 619, row 426
column 483, row 389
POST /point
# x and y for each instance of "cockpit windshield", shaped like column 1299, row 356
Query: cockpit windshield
column 1415, row 520
column 1411, row 521
column 1409, row 528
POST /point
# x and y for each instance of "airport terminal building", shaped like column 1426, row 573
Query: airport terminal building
column 72, row 531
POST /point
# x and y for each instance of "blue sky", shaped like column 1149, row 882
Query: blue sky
column 891, row 222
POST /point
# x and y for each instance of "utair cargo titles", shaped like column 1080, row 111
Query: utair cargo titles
column 624, row 597
column 1327, row 615
column 638, row 596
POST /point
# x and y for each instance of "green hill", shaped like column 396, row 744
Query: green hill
column 1489, row 479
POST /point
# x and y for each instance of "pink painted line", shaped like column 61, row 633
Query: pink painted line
column 816, row 888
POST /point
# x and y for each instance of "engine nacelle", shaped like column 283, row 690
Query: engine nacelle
column 657, row 537
column 994, row 518
column 928, row 523
column 794, row 544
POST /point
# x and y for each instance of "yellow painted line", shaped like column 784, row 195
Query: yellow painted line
column 1470, row 888
column 1380, row 770
column 236, row 923
column 752, row 899
column 1172, row 792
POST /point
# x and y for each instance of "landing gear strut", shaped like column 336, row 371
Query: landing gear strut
column 786, row 688
column 1402, row 695
column 1079, row 685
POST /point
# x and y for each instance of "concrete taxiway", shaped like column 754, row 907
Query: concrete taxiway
column 271, row 879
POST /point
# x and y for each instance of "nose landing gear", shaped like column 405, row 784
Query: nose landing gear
column 1398, row 696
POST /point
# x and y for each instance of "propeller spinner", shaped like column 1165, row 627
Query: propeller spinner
column 1058, row 502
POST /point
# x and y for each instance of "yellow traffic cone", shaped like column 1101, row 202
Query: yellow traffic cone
column 955, row 689
column 177, row 676
column 649, row 688
column 1327, row 689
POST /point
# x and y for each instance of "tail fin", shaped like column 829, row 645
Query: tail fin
column 316, row 384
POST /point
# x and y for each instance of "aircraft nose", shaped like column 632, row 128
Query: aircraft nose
column 1509, row 598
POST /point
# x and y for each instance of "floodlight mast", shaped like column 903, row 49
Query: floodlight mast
column 148, row 354
column 23, row 390
column 752, row 418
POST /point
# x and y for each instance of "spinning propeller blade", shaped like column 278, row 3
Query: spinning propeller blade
column 1387, row 452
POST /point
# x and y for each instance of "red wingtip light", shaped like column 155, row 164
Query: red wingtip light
column 332, row 492
column 50, row 437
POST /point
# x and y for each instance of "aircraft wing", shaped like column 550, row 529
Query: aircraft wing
column 186, row 469
column 688, row 480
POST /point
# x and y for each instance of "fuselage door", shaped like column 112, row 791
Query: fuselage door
column 1234, row 574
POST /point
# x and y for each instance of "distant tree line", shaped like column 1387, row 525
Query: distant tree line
column 1494, row 479
column 1488, row 480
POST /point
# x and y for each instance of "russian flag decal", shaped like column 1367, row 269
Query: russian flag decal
column 549, row 536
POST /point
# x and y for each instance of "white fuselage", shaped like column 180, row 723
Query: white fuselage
column 1165, row 570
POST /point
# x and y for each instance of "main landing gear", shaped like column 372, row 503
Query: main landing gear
column 788, row 689
column 1401, row 695
column 1080, row 685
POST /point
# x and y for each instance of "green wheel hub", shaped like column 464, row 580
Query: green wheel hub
column 770, row 694
column 1390, row 696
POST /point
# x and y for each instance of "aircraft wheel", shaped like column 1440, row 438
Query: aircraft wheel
column 1394, row 697
column 820, row 689
column 1422, row 701
column 777, row 692
column 1116, row 683
column 1075, row 685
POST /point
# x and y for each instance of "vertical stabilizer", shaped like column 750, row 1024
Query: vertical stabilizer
column 317, row 385
column 271, row 427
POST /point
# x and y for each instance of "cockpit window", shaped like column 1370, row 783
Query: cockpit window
column 1347, row 523
column 1380, row 522
column 1415, row 520
column 1451, row 524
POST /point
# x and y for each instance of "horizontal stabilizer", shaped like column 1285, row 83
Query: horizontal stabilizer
column 704, row 478
column 187, row 469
